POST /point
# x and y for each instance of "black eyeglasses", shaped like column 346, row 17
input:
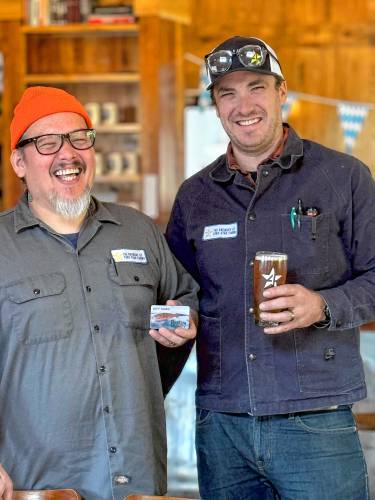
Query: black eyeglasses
column 49, row 144
column 250, row 56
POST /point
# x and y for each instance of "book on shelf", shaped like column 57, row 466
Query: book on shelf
column 110, row 19
column 113, row 9
column 45, row 12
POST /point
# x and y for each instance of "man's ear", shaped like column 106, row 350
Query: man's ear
column 283, row 92
column 18, row 163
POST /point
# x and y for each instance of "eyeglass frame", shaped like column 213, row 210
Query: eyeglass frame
column 232, row 52
column 63, row 137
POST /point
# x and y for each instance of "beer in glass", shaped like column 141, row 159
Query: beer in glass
column 270, row 269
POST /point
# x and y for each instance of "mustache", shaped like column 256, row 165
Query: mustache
column 75, row 163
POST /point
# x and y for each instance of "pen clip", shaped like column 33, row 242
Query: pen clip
column 292, row 217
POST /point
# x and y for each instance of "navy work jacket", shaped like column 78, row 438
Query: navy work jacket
column 219, row 221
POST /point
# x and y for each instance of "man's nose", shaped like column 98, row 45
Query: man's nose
column 67, row 149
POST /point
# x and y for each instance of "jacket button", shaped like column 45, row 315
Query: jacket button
column 113, row 449
column 96, row 328
column 136, row 278
column 121, row 479
column 102, row 369
column 265, row 173
column 252, row 216
column 88, row 288
column 252, row 356
column 251, row 310
column 36, row 291
column 107, row 409
column 329, row 353
column 338, row 324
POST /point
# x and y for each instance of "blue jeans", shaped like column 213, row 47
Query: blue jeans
column 300, row 456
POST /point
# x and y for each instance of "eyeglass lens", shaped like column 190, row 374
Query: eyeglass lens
column 249, row 56
column 79, row 139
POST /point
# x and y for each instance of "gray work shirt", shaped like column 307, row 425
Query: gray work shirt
column 80, row 393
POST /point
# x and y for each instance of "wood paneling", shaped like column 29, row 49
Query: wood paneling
column 11, row 10
column 326, row 48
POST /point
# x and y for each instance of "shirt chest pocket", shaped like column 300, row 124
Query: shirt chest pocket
column 307, row 246
column 39, row 308
column 135, row 291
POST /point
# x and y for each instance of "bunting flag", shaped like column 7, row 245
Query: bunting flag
column 352, row 117
column 204, row 97
column 287, row 106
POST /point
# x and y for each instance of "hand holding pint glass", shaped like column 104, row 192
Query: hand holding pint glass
column 270, row 269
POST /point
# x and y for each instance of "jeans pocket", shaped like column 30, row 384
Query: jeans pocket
column 202, row 416
column 327, row 422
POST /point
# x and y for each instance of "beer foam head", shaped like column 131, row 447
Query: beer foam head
column 270, row 256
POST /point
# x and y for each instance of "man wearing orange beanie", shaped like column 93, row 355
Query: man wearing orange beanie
column 81, row 393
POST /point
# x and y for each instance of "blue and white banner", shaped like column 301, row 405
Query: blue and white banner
column 287, row 106
column 352, row 117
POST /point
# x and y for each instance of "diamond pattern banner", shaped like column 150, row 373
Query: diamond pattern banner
column 352, row 117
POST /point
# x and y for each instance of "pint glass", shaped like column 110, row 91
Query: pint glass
column 270, row 269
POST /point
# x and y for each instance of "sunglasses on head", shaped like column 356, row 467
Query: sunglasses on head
column 250, row 56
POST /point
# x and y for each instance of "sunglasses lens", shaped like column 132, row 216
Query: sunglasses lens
column 251, row 56
column 219, row 62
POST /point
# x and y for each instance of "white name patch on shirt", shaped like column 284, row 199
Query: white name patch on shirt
column 127, row 255
column 220, row 231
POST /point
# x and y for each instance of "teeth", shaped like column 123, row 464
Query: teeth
column 249, row 122
column 67, row 171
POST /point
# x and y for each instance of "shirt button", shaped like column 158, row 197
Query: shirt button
column 121, row 479
column 265, row 173
column 97, row 328
column 36, row 291
column 88, row 288
column 102, row 369
column 252, row 356
column 136, row 278
column 113, row 449
column 251, row 310
column 252, row 216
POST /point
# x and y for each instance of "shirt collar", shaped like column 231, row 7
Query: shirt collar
column 291, row 152
column 232, row 162
column 24, row 217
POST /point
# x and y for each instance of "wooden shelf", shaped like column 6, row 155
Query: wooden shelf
column 81, row 29
column 83, row 78
column 118, row 179
column 119, row 128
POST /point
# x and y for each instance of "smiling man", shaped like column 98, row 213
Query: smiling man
column 81, row 394
column 274, row 416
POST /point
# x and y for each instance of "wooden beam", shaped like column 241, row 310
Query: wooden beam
column 11, row 10
column 173, row 10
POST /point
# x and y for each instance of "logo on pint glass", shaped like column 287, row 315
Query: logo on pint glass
column 271, row 279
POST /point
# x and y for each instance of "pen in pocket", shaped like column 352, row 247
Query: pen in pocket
column 313, row 213
column 114, row 265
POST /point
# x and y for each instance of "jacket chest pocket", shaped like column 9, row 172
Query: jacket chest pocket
column 134, row 291
column 307, row 246
column 40, row 309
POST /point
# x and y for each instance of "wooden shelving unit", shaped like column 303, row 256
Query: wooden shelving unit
column 36, row 79
column 137, row 66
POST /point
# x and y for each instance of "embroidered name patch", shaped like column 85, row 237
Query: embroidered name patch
column 127, row 255
column 220, row 231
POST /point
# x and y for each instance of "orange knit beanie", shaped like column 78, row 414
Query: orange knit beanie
column 37, row 102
